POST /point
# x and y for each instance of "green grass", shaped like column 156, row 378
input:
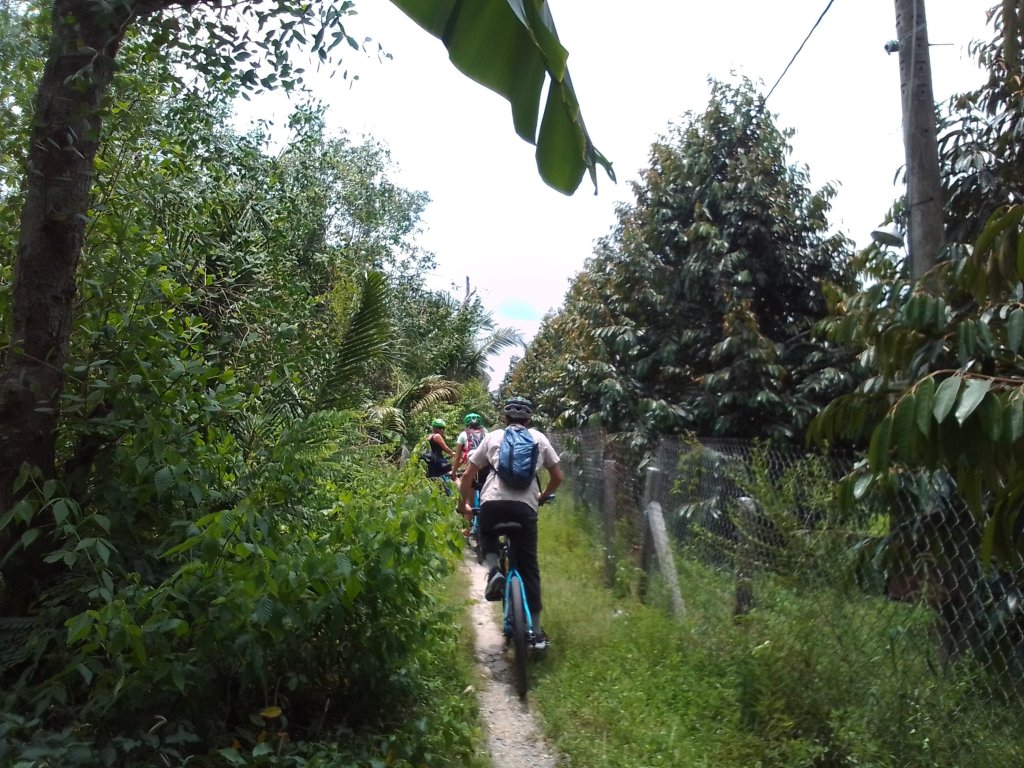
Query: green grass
column 623, row 684
column 820, row 678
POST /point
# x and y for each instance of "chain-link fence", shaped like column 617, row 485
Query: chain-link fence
column 862, row 630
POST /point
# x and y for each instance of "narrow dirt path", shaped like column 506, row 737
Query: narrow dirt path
column 514, row 738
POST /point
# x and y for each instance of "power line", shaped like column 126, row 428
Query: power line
column 760, row 108
column 822, row 16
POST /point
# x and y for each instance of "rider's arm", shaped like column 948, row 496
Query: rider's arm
column 466, row 486
column 440, row 443
column 461, row 454
column 555, row 478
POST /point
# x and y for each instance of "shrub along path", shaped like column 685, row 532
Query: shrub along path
column 514, row 738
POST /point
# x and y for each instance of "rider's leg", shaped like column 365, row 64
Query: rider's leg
column 492, row 513
column 525, row 542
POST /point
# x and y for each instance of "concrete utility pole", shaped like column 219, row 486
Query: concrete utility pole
column 924, row 188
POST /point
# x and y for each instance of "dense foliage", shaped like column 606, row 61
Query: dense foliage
column 945, row 397
column 228, row 563
column 697, row 312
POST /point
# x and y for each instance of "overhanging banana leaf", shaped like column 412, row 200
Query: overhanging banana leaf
column 511, row 47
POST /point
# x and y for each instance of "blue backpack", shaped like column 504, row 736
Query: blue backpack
column 517, row 457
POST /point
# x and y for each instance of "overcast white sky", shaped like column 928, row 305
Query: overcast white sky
column 636, row 67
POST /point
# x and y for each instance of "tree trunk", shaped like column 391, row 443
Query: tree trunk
column 64, row 139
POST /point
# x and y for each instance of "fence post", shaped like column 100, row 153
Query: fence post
column 743, row 602
column 608, row 503
column 652, row 492
column 659, row 534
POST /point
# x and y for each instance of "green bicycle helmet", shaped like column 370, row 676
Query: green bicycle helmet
column 472, row 417
column 436, row 423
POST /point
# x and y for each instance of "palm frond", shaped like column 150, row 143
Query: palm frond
column 368, row 338
column 435, row 389
column 439, row 392
column 385, row 419
column 499, row 339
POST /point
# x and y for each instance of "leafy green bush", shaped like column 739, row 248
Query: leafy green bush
column 277, row 623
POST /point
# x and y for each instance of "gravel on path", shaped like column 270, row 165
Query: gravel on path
column 514, row 738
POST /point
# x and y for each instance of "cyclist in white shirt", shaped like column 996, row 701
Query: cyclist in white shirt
column 499, row 502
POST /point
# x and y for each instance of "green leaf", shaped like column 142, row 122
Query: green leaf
column 102, row 550
column 1015, row 329
column 263, row 610
column 163, row 479
column 904, row 428
column 990, row 412
column 62, row 509
column 925, row 392
column 78, row 627
column 878, row 451
column 972, row 396
column 232, row 756
column 23, row 511
column 243, row 549
column 368, row 338
column 860, row 488
column 353, row 587
column 1013, row 418
column 970, row 484
column 945, row 396
column 23, row 475
column 513, row 49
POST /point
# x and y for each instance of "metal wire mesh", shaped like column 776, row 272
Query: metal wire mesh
column 862, row 634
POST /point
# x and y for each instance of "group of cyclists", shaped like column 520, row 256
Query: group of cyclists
column 477, row 450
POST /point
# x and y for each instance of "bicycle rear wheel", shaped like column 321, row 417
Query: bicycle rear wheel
column 517, row 621
column 474, row 537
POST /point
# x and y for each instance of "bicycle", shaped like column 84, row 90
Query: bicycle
column 517, row 621
column 447, row 484
column 473, row 535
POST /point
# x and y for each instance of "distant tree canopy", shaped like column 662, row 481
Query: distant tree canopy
column 698, row 312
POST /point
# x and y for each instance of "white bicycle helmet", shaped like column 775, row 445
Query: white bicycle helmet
column 518, row 408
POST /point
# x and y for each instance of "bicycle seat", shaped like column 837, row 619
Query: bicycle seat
column 506, row 527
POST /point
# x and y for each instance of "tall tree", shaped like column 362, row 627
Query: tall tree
column 699, row 308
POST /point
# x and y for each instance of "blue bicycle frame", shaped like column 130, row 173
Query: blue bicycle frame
column 510, row 577
column 474, row 526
